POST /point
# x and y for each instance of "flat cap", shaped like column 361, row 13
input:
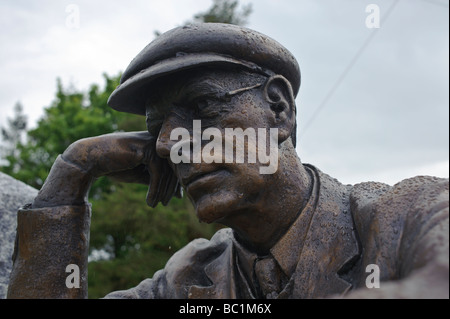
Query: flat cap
column 192, row 46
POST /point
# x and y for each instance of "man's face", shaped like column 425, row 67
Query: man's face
column 221, row 190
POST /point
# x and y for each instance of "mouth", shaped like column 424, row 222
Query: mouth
column 200, row 176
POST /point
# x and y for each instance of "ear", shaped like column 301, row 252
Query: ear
column 279, row 94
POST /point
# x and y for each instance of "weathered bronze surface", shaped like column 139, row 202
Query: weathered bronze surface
column 294, row 233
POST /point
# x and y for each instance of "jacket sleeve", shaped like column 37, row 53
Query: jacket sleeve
column 406, row 233
column 51, row 253
column 424, row 246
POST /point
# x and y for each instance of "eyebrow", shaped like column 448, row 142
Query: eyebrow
column 206, row 86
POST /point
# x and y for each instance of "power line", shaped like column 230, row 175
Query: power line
column 436, row 3
column 347, row 69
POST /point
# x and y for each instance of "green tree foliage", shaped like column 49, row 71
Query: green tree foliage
column 135, row 240
column 142, row 242
column 225, row 11
column 13, row 135
column 72, row 115
column 222, row 11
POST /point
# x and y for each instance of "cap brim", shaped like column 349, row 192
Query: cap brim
column 131, row 95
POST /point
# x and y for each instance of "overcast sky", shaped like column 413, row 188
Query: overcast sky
column 383, row 116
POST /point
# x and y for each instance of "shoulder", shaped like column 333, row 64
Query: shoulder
column 397, row 225
column 420, row 195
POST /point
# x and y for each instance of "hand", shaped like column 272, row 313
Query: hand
column 126, row 157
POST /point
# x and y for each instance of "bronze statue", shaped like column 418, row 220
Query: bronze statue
column 294, row 232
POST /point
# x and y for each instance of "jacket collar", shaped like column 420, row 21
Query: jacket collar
column 288, row 249
column 331, row 246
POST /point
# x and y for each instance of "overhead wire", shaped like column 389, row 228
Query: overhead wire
column 347, row 69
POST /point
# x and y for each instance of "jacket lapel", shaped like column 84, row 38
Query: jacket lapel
column 330, row 246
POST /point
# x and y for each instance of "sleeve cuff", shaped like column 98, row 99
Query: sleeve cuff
column 47, row 241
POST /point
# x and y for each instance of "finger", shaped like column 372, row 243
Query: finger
column 155, row 177
column 154, row 163
column 164, row 180
column 171, row 188
column 152, row 197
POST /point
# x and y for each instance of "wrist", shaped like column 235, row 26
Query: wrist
column 66, row 184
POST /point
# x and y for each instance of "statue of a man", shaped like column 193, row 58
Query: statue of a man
column 294, row 232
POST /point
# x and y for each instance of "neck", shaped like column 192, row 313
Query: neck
column 260, row 226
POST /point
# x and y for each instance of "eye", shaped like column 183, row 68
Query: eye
column 206, row 106
column 202, row 104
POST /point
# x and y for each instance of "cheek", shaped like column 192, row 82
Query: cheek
column 247, row 112
column 249, row 180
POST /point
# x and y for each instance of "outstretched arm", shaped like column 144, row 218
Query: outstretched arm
column 409, row 237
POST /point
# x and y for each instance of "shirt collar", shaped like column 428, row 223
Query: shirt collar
column 288, row 249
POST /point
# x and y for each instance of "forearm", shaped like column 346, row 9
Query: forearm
column 422, row 260
column 429, row 282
